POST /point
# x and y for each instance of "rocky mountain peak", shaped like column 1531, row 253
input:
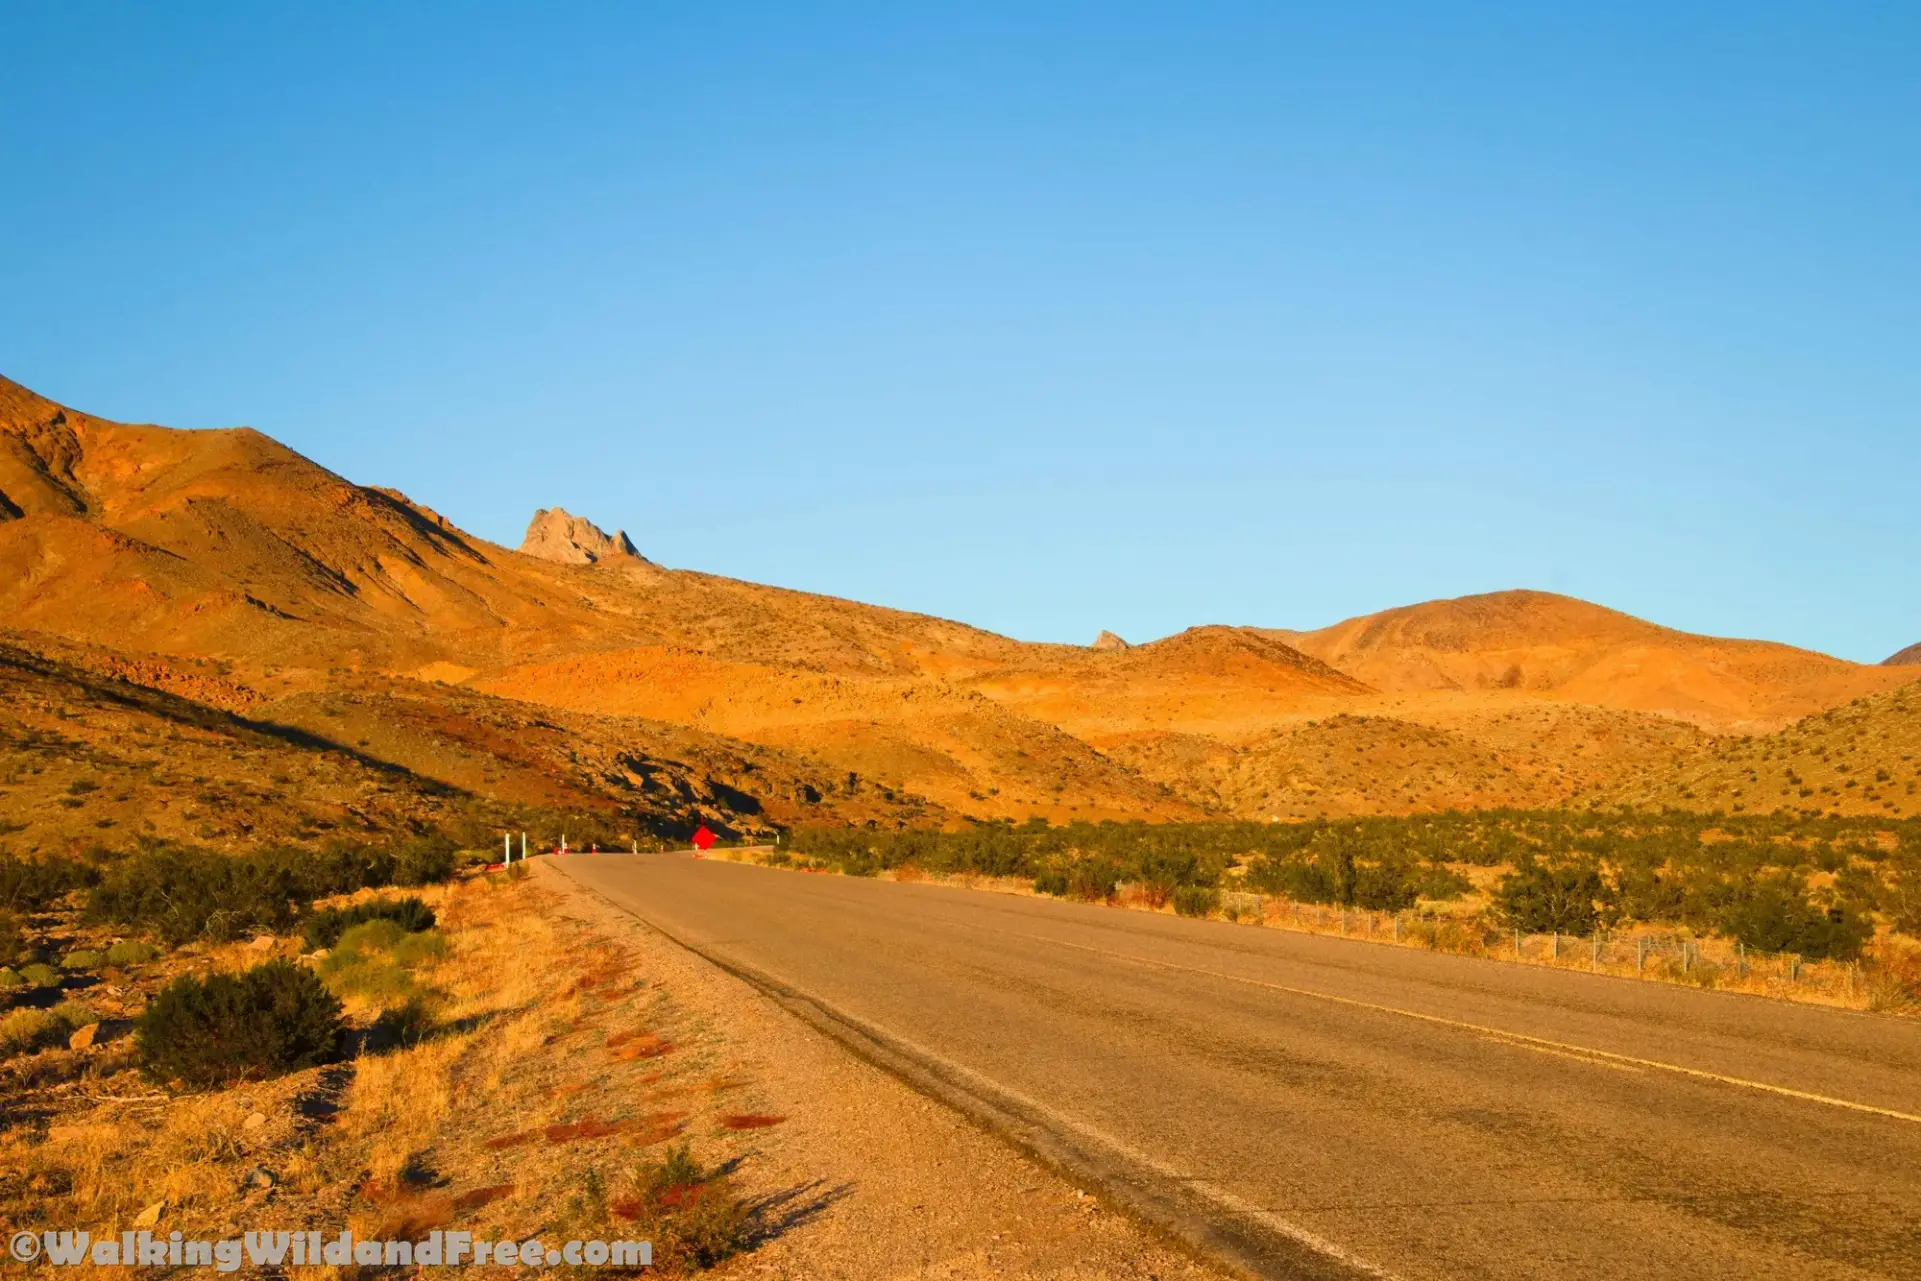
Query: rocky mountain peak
column 1109, row 641
column 557, row 535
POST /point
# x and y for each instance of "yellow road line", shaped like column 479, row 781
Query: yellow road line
column 1606, row 1058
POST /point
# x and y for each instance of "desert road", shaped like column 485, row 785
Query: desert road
column 1320, row 1107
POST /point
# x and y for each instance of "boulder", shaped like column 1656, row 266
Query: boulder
column 1109, row 641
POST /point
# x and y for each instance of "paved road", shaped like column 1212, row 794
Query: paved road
column 1316, row 1107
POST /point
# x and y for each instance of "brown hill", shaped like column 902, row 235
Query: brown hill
column 1860, row 758
column 1909, row 657
column 552, row 678
column 1570, row 650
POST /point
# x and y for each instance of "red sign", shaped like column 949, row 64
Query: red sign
column 703, row 839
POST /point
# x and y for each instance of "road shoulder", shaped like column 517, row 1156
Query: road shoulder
column 897, row 1185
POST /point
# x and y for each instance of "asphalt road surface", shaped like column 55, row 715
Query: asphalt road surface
column 1320, row 1107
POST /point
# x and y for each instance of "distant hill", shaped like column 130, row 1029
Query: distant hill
column 1571, row 650
column 228, row 570
column 1909, row 657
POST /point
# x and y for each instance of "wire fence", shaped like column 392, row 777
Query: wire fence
column 1708, row 961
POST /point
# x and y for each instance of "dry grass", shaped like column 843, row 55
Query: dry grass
column 548, row 1071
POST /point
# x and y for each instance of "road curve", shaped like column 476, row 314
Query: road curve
column 1317, row 1107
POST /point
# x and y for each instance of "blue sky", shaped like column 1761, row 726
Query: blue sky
column 1048, row 318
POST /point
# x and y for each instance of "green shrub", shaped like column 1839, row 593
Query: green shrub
column 1051, row 880
column 132, row 952
column 1094, row 880
column 1440, row 883
column 1196, row 900
column 13, row 938
column 1383, row 887
column 692, row 1214
column 272, row 1019
column 407, row 1024
column 10, row 979
column 424, row 860
column 183, row 893
column 1777, row 917
column 24, row 1031
column 84, row 958
column 377, row 959
column 40, row 974
column 1538, row 897
column 30, row 885
column 324, row 928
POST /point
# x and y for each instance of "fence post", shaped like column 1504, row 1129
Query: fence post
column 507, row 845
column 1517, row 945
column 1640, row 953
column 1594, row 951
column 1397, row 927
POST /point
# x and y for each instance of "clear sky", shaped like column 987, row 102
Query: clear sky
column 1044, row 317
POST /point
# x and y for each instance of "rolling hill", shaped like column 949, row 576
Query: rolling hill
column 227, row 571
column 1573, row 651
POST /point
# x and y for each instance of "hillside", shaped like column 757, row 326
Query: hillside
column 1573, row 651
column 1909, row 657
column 1863, row 758
column 224, row 568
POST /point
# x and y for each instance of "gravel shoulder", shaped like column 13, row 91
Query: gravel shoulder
column 876, row 1180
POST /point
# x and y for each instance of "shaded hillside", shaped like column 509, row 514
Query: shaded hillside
column 1541, row 643
column 1863, row 758
column 1909, row 657
column 97, row 747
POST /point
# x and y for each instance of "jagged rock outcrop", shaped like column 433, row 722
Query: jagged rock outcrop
column 1109, row 641
column 555, row 535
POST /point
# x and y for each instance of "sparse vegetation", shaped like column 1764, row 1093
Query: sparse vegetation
column 324, row 928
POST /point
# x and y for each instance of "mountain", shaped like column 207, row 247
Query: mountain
column 1909, row 657
column 1569, row 650
column 221, row 568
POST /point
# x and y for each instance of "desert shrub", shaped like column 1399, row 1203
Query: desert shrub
column 1093, row 880
column 376, row 960
column 1383, row 887
column 29, row 885
column 777, row 858
column 1902, row 897
column 1777, row 917
column 13, row 938
column 324, row 928
column 424, row 860
column 132, row 952
column 1051, row 880
column 693, row 1215
column 84, row 958
column 1196, row 900
column 184, row 892
column 1439, row 882
column 24, row 1031
column 406, row 1024
column 1292, row 879
column 39, row 974
column 1538, row 896
column 10, row 979
column 271, row 1019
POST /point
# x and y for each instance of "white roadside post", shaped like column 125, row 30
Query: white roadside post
column 507, row 849
column 523, row 847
